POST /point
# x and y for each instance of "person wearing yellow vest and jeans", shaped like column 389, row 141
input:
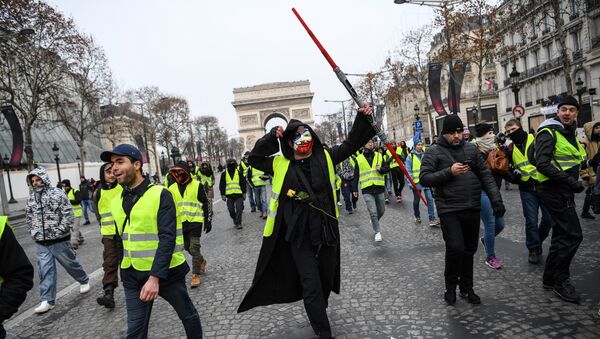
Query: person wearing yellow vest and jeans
column 258, row 181
column 413, row 167
column 370, row 168
column 300, row 253
column 192, row 210
column 16, row 274
column 522, row 172
column 233, row 191
column 104, row 196
column 152, row 261
column 558, row 158
column 75, row 198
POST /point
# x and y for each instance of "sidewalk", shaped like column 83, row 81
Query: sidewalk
column 16, row 211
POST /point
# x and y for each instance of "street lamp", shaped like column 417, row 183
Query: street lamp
column 55, row 150
column 443, row 5
column 175, row 154
column 580, row 89
column 78, row 166
column 394, row 132
column 343, row 115
column 6, row 165
column 514, row 83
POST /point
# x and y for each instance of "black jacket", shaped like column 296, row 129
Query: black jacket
column 276, row 279
column 222, row 182
column 86, row 190
column 17, row 272
column 457, row 193
column 545, row 143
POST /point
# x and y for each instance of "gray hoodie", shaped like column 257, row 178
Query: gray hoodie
column 49, row 212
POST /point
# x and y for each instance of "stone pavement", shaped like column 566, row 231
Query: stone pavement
column 389, row 289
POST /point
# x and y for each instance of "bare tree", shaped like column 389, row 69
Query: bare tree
column 32, row 72
column 87, row 84
column 202, row 127
column 172, row 116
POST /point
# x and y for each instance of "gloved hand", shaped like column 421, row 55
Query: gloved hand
column 499, row 210
column 224, row 198
column 578, row 187
column 517, row 174
column 207, row 226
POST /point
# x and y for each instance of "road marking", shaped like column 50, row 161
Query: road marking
column 28, row 313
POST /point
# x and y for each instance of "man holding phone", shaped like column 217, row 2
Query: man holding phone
column 457, row 174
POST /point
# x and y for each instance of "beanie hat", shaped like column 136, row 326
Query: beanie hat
column 183, row 165
column 452, row 123
column 567, row 100
column 482, row 128
column 66, row 182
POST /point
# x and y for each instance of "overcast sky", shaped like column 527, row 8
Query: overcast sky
column 201, row 50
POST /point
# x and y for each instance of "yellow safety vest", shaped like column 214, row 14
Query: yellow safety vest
column 256, row 180
column 565, row 155
column 416, row 168
column 205, row 179
column 140, row 233
column 3, row 224
column 393, row 163
column 107, row 221
column 521, row 161
column 369, row 175
column 188, row 207
column 338, row 182
column 232, row 186
column 76, row 208
column 280, row 168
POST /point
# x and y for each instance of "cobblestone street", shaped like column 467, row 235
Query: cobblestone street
column 389, row 289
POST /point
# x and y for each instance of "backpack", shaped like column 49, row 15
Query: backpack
column 497, row 161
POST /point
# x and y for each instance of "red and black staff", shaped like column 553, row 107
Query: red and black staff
column 344, row 80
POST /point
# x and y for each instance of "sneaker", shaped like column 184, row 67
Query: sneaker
column 87, row 222
column 470, row 296
column 534, row 256
column 378, row 237
column 350, row 212
column 238, row 226
column 84, row 288
column 387, row 200
column 44, row 307
column 399, row 199
column 339, row 203
column 417, row 220
column 587, row 216
column 253, row 210
column 567, row 292
column 434, row 223
column 354, row 204
column 450, row 297
column 493, row 262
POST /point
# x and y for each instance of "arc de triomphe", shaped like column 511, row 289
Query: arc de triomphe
column 256, row 105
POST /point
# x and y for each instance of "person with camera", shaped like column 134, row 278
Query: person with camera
column 458, row 173
column 559, row 157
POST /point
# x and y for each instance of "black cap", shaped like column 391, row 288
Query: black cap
column 123, row 149
column 66, row 182
column 183, row 165
column 452, row 123
column 567, row 100
column 482, row 128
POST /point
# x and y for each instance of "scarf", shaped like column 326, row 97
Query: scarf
column 486, row 143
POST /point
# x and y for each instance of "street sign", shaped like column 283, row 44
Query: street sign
column 518, row 109
column 418, row 126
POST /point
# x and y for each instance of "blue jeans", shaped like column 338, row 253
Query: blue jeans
column 175, row 293
column 492, row 226
column 534, row 235
column 417, row 201
column 85, row 204
column 347, row 193
column 376, row 206
column 250, row 198
column 260, row 196
column 64, row 253
column 388, row 183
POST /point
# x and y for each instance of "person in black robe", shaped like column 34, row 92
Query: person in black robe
column 301, row 258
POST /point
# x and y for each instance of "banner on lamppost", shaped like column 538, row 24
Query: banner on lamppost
column 17, row 135
column 139, row 143
column 435, row 72
column 457, row 79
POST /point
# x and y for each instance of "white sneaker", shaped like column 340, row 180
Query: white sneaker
column 44, row 307
column 339, row 203
column 378, row 237
column 84, row 288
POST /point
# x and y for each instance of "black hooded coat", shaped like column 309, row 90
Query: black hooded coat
column 276, row 279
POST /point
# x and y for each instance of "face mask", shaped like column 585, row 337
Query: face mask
column 181, row 176
column 303, row 142
column 38, row 189
column 518, row 136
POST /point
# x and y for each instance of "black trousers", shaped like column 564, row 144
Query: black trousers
column 315, row 299
column 235, row 207
column 461, row 234
column 566, row 233
column 397, row 180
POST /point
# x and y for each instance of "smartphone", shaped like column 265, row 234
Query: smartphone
column 467, row 162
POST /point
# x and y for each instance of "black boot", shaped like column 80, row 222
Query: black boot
column 471, row 297
column 108, row 299
column 587, row 203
